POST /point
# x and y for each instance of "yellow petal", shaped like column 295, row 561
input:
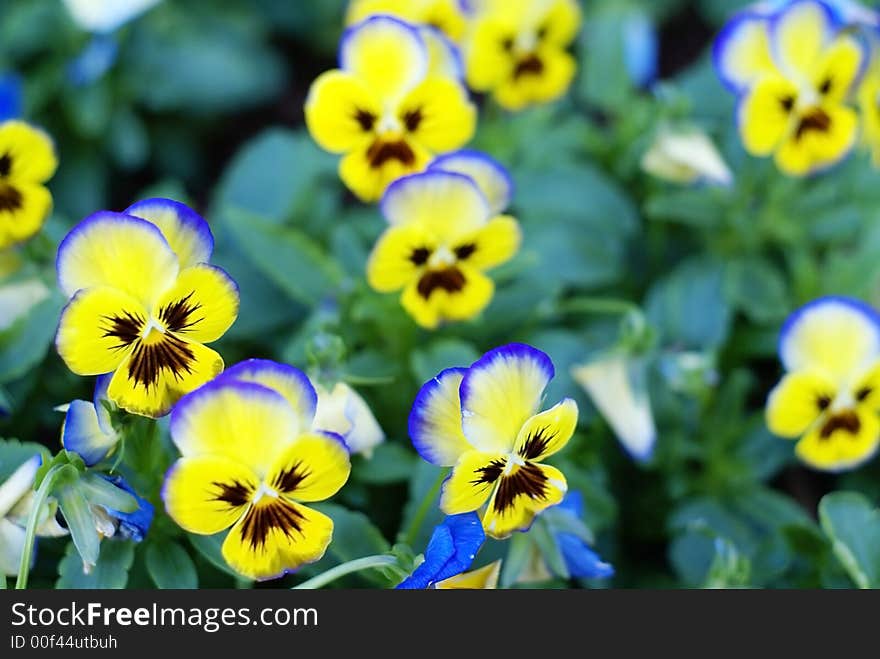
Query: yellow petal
column 395, row 259
column 797, row 401
column 24, row 208
column 492, row 245
column 845, row 447
column 520, row 496
column 491, row 177
column 836, row 336
column 841, row 64
column 766, row 114
column 487, row 63
column 548, row 432
column 201, row 305
column 438, row 114
column 484, row 578
column 186, row 232
column 120, row 251
column 97, row 329
column 369, row 169
column 799, row 34
column 246, row 422
column 341, row 111
column 276, row 537
column 471, row 482
column 313, row 468
column 386, row 54
column 447, row 204
column 561, row 22
column 208, row 494
column 742, row 51
column 30, row 152
column 155, row 376
column 808, row 151
column 435, row 419
column 500, row 392
column 452, row 294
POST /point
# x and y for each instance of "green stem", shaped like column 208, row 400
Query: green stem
column 379, row 560
column 412, row 530
column 24, row 567
column 598, row 305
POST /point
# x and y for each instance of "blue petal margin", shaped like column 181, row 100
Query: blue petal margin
column 451, row 551
column 187, row 220
column 251, row 370
column 420, row 424
column 511, row 352
column 132, row 526
column 870, row 314
column 82, row 433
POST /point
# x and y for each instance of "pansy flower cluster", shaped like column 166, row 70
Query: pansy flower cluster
column 794, row 69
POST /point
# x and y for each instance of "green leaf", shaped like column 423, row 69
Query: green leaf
column 209, row 546
column 25, row 344
column 391, row 463
column 14, row 453
column 170, row 566
column 354, row 536
column 273, row 174
column 288, row 258
column 111, row 570
column 852, row 524
column 757, row 289
column 439, row 355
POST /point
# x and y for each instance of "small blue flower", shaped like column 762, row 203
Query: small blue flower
column 11, row 96
column 451, row 550
column 640, row 48
column 134, row 525
column 94, row 61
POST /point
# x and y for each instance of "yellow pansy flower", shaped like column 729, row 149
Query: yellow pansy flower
column 516, row 49
column 793, row 70
column 443, row 236
column 444, row 15
column 144, row 301
column 486, row 423
column 829, row 398
column 385, row 108
column 27, row 161
column 250, row 460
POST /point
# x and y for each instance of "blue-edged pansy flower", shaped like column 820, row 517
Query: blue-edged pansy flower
column 685, row 156
column 386, row 109
column 104, row 16
column 144, row 302
column 793, row 71
column 616, row 385
column 517, row 50
column 442, row 237
column 27, row 161
column 447, row 16
column 829, row 397
column 486, row 423
column 87, row 429
column 11, row 96
column 344, row 411
column 16, row 501
column 251, row 459
column 451, row 550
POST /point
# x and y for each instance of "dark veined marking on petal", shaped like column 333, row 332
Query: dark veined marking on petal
column 263, row 518
column 10, row 198
column 235, row 494
column 787, row 103
column 507, row 44
column 863, row 393
column 529, row 65
column 542, row 32
column 381, row 152
column 490, row 473
column 826, row 85
column 527, row 481
column 288, row 479
column 817, row 120
column 5, row 165
column 536, row 444
column 464, row 251
column 420, row 255
column 847, row 421
column 412, row 119
column 823, row 402
column 366, row 119
column 169, row 353
column 450, row 280
column 126, row 328
column 177, row 316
